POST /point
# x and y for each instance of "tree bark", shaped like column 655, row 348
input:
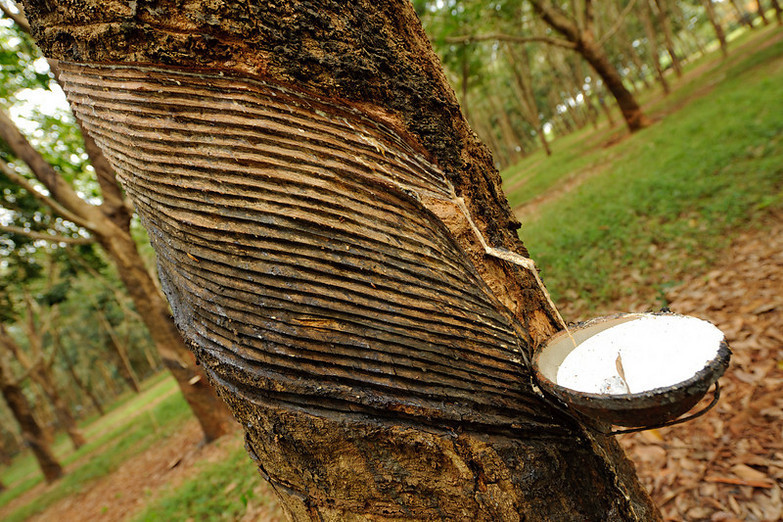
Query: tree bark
column 33, row 434
column 337, row 250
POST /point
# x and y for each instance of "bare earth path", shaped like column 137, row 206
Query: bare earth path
column 123, row 493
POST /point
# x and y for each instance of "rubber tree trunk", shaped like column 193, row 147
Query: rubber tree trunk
column 761, row 13
column 586, row 45
column 523, row 87
column 645, row 13
column 86, row 390
column 41, row 374
column 664, row 16
column 743, row 16
column 34, row 435
column 778, row 11
column 709, row 8
column 335, row 246
column 117, row 348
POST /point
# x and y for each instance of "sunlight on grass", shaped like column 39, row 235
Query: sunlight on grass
column 674, row 192
column 221, row 491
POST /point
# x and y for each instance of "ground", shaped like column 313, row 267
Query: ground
column 728, row 464
column 724, row 466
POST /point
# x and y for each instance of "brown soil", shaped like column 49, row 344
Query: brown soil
column 123, row 493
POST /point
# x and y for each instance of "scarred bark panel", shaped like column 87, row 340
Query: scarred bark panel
column 332, row 359
column 294, row 247
column 364, row 53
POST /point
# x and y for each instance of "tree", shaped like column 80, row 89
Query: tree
column 34, row 435
column 109, row 225
column 578, row 31
column 709, row 8
column 39, row 369
column 336, row 249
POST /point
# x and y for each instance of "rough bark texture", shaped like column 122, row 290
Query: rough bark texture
column 33, row 434
column 321, row 211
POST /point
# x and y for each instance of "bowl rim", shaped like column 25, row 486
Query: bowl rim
column 703, row 378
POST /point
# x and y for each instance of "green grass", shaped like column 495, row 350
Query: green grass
column 673, row 193
column 221, row 491
column 112, row 439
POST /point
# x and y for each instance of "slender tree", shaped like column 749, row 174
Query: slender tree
column 34, row 435
column 645, row 13
column 664, row 16
column 337, row 250
column 39, row 369
column 778, row 11
column 709, row 7
column 743, row 16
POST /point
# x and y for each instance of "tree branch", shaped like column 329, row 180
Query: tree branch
column 46, row 236
column 500, row 37
column 18, row 18
column 23, row 182
column 557, row 20
column 588, row 17
column 13, row 349
column 618, row 23
column 74, row 207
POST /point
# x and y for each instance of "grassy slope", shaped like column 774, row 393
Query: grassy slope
column 673, row 193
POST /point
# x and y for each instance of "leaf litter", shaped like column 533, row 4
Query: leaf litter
column 728, row 464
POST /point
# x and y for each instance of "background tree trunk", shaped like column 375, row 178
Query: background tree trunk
column 86, row 390
column 40, row 373
column 709, row 7
column 645, row 14
column 337, row 255
column 586, row 45
column 34, row 435
column 664, row 21
column 525, row 95
column 778, row 11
